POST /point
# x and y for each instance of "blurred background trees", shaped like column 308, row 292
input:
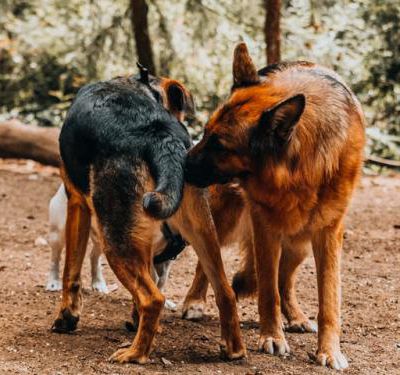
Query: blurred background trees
column 50, row 48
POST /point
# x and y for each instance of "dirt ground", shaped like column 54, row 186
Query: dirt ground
column 371, row 297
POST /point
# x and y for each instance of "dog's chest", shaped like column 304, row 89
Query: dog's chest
column 288, row 212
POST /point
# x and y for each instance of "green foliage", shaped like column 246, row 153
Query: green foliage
column 49, row 48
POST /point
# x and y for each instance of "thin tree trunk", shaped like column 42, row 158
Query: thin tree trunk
column 140, row 27
column 29, row 142
column 272, row 30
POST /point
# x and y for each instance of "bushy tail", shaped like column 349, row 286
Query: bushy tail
column 166, row 161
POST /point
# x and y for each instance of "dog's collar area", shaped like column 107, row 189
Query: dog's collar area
column 176, row 244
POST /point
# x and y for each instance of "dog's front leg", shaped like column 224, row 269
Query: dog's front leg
column 76, row 234
column 195, row 223
column 193, row 306
column 267, row 244
column 327, row 244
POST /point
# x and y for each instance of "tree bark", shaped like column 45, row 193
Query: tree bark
column 29, row 142
column 140, row 28
column 272, row 30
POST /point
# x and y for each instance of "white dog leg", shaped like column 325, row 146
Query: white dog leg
column 57, row 219
column 162, row 270
column 56, row 242
column 98, row 282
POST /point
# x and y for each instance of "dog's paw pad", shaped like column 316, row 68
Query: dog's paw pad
column 273, row 345
column 332, row 359
column 194, row 311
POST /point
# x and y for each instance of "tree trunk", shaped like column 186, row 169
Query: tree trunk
column 140, row 27
column 272, row 30
column 29, row 142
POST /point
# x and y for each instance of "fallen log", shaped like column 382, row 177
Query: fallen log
column 383, row 162
column 21, row 141
column 29, row 142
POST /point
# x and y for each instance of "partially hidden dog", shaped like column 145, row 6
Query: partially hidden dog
column 293, row 135
column 230, row 210
column 56, row 238
column 123, row 152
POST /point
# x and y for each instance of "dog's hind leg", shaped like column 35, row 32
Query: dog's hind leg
column 132, row 267
column 77, row 234
column 193, row 305
column 293, row 254
column 98, row 282
column 195, row 223
column 56, row 238
column 56, row 242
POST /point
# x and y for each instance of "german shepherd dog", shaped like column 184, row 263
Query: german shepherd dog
column 123, row 150
column 230, row 210
column 293, row 135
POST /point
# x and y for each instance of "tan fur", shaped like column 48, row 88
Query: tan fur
column 302, row 195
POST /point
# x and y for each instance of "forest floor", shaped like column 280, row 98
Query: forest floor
column 370, row 307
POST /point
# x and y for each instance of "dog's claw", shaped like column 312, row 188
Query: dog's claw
column 306, row 326
column 194, row 311
column 65, row 323
column 273, row 345
column 127, row 355
column 241, row 354
column 334, row 359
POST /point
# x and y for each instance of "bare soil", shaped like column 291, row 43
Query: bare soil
column 370, row 308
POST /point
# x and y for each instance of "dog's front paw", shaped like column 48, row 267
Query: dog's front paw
column 170, row 305
column 330, row 358
column 65, row 322
column 126, row 355
column 233, row 355
column 193, row 311
column 100, row 286
column 301, row 326
column 54, row 285
column 273, row 345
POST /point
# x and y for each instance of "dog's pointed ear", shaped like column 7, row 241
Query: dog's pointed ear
column 244, row 70
column 275, row 127
column 282, row 118
column 144, row 73
column 179, row 100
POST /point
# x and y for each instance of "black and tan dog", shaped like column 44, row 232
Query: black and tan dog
column 123, row 150
column 293, row 135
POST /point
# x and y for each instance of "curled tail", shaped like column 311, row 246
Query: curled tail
column 166, row 160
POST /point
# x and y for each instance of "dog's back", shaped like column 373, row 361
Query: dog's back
column 325, row 126
column 120, row 127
